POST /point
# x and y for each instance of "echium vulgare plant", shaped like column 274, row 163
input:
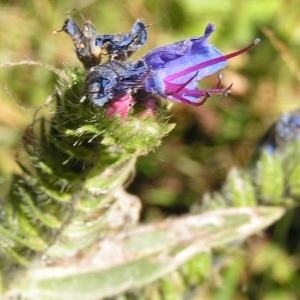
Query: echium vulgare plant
column 66, row 223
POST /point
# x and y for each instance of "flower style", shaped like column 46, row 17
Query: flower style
column 177, row 68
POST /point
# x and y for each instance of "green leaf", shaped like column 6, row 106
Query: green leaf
column 270, row 178
column 138, row 257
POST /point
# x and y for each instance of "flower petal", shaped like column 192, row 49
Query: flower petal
column 175, row 64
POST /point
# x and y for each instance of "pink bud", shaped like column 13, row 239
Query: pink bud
column 120, row 105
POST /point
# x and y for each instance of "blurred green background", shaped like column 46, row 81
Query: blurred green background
column 207, row 141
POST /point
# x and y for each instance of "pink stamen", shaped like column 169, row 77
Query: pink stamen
column 184, row 100
column 210, row 62
column 200, row 93
column 196, row 93
column 174, row 88
column 228, row 56
column 204, row 92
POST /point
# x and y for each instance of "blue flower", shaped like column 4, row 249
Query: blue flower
column 176, row 69
column 171, row 72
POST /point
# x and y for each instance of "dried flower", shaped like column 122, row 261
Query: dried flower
column 114, row 79
column 120, row 46
column 84, row 41
column 91, row 47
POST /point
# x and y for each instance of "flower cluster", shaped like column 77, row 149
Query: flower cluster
column 170, row 72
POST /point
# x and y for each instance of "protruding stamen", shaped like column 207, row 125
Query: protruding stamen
column 204, row 94
column 233, row 54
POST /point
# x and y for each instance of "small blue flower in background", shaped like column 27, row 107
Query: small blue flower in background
column 281, row 133
column 177, row 68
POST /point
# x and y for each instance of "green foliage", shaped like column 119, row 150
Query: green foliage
column 271, row 181
column 77, row 159
column 140, row 256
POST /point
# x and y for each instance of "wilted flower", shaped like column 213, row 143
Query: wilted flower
column 91, row 47
column 114, row 79
column 121, row 46
column 176, row 69
column 84, row 41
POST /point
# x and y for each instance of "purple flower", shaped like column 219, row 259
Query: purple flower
column 176, row 69
column 170, row 72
